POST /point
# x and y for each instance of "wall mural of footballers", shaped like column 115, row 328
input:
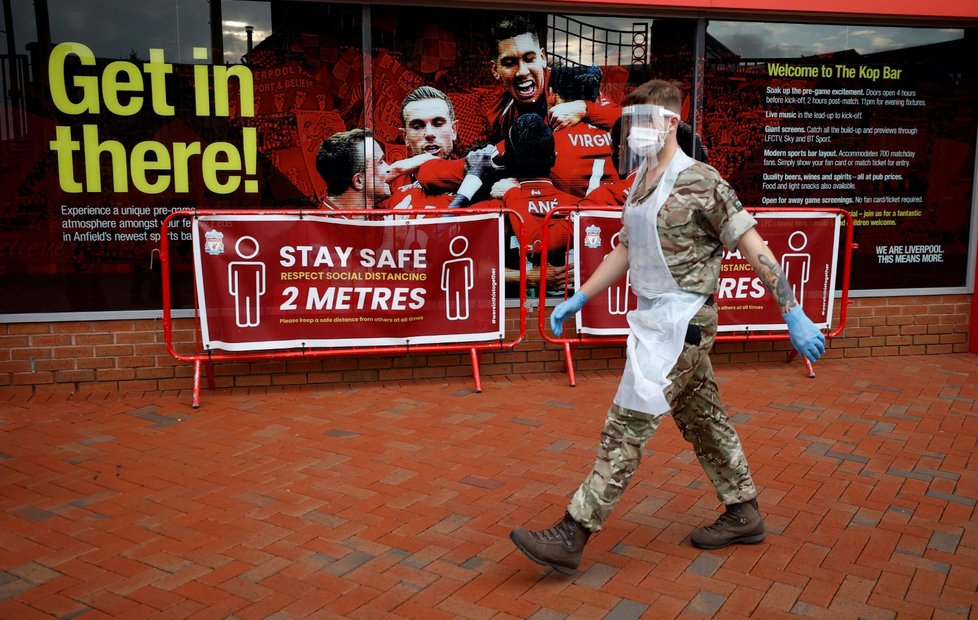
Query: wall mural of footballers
column 446, row 93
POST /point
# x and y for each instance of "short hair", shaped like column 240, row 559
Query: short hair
column 576, row 83
column 427, row 92
column 530, row 150
column 656, row 92
column 510, row 26
column 340, row 157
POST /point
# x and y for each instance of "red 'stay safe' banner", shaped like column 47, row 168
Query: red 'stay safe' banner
column 285, row 281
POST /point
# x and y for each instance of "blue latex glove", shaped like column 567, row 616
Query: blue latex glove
column 805, row 337
column 565, row 310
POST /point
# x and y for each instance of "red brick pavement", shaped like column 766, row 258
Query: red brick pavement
column 395, row 500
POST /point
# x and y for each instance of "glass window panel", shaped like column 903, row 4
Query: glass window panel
column 876, row 120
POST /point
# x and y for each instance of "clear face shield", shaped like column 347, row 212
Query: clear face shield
column 644, row 129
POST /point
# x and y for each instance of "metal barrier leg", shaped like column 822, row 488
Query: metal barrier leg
column 475, row 369
column 195, row 399
column 569, row 363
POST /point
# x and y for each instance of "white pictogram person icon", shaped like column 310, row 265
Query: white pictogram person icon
column 457, row 279
column 246, row 283
column 619, row 295
column 796, row 264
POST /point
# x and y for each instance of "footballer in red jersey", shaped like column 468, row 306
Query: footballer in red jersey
column 583, row 150
column 520, row 66
column 429, row 129
column 531, row 194
column 352, row 165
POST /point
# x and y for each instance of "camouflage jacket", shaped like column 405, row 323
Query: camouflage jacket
column 700, row 217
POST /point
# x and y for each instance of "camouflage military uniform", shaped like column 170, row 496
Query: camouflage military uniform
column 700, row 217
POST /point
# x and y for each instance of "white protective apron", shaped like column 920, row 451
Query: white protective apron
column 658, row 327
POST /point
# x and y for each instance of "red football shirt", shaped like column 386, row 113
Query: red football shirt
column 532, row 200
column 583, row 159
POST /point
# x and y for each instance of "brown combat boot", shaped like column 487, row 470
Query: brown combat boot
column 741, row 523
column 559, row 547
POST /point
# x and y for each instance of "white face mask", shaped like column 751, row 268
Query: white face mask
column 646, row 141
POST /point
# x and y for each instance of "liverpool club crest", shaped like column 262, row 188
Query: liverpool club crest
column 214, row 244
column 592, row 237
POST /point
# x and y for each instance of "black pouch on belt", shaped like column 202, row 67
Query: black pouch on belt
column 694, row 333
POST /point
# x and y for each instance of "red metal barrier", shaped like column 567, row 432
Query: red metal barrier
column 569, row 343
column 199, row 357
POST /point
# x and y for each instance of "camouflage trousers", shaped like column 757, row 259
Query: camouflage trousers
column 697, row 411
